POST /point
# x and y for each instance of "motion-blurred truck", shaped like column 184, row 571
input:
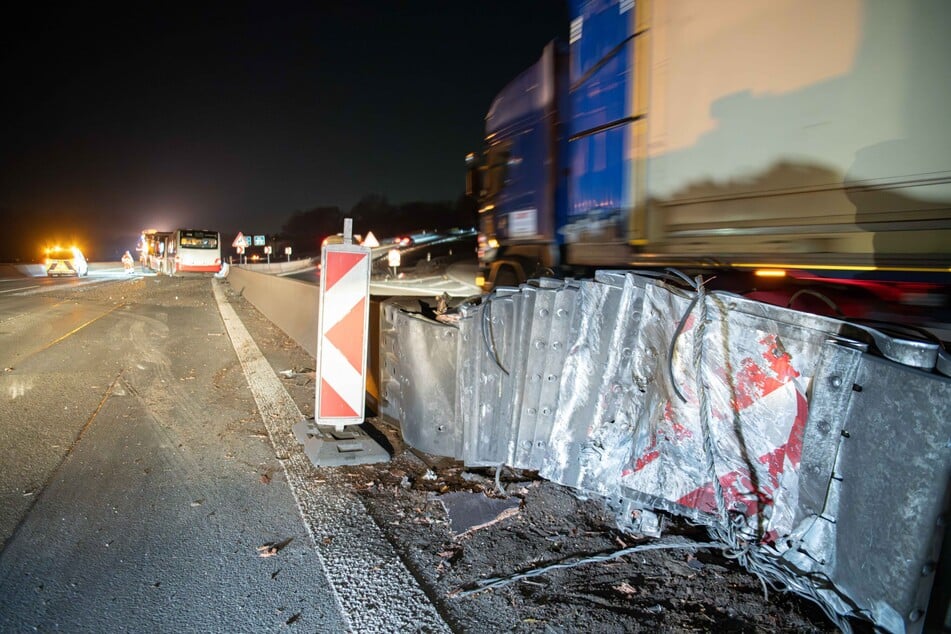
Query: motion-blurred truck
column 773, row 146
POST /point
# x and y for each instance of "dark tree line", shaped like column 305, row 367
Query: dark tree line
column 306, row 229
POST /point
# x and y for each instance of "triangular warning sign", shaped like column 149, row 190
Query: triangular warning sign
column 347, row 335
column 331, row 404
column 239, row 241
column 339, row 264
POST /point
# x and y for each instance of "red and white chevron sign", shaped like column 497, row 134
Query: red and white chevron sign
column 342, row 334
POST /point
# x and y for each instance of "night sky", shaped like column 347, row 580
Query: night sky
column 234, row 116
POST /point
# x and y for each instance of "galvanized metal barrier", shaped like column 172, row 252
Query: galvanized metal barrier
column 815, row 450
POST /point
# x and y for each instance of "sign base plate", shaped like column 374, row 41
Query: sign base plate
column 327, row 447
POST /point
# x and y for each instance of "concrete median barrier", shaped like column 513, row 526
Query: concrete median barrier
column 292, row 306
column 280, row 267
column 289, row 304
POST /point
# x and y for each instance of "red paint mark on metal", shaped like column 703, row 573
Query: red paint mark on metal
column 753, row 382
column 646, row 459
column 740, row 492
column 681, row 432
column 791, row 450
column 676, row 433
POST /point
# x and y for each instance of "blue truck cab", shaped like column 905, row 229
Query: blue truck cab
column 808, row 141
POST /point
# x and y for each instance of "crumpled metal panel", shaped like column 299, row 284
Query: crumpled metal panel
column 831, row 462
column 561, row 337
column 829, row 397
column 390, row 366
column 418, row 382
column 427, row 409
column 516, row 422
column 596, row 320
column 509, row 358
column 588, row 439
column 491, row 340
column 755, row 370
column 893, row 345
column 877, row 538
column 539, row 365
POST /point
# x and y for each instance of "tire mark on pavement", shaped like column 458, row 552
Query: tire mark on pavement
column 68, row 334
column 69, row 450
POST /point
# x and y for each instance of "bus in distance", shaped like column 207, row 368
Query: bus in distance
column 196, row 251
column 181, row 251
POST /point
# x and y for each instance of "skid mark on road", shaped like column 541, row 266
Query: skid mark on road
column 374, row 590
column 69, row 450
column 20, row 359
column 78, row 328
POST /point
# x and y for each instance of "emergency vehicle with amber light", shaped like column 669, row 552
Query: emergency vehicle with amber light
column 62, row 261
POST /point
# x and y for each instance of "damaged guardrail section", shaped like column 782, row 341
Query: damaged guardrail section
column 816, row 451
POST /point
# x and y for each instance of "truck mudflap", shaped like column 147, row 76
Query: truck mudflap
column 815, row 451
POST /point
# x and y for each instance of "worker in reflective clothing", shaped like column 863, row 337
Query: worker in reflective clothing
column 128, row 263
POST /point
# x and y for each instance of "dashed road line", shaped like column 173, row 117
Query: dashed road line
column 49, row 288
column 22, row 288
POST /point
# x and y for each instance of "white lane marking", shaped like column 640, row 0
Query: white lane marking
column 22, row 288
column 49, row 288
column 373, row 589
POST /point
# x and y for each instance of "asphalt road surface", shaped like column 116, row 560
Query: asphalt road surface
column 146, row 461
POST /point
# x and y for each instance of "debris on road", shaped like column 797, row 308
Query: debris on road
column 269, row 549
column 625, row 589
column 469, row 511
column 300, row 376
